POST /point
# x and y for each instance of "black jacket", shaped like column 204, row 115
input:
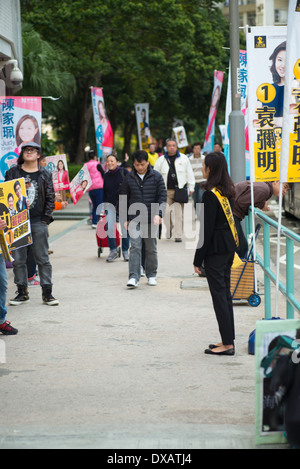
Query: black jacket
column 150, row 192
column 215, row 231
column 45, row 188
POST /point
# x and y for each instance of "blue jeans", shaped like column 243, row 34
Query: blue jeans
column 96, row 196
column 111, row 219
column 3, row 290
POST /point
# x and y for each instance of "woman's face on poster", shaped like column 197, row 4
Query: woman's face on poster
column 60, row 166
column 27, row 131
column 101, row 109
column 280, row 63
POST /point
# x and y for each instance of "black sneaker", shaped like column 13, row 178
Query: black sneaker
column 48, row 299
column 21, row 298
column 7, row 329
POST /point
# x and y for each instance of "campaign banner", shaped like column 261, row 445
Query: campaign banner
column 103, row 129
column 142, row 123
column 20, row 122
column 180, row 136
column 80, row 184
column 266, row 49
column 290, row 152
column 244, row 108
column 215, row 99
column 14, row 210
column 58, row 166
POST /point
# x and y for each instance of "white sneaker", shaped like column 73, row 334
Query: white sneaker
column 132, row 283
column 143, row 274
column 152, row 281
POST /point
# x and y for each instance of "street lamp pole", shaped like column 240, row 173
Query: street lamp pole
column 236, row 117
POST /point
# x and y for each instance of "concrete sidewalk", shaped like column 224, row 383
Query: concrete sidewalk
column 117, row 368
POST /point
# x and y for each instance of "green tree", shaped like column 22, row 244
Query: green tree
column 161, row 52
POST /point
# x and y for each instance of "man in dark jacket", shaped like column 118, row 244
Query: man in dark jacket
column 41, row 195
column 142, row 209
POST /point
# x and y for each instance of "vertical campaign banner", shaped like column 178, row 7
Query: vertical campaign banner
column 215, row 99
column 290, row 152
column 103, row 130
column 20, row 122
column 142, row 123
column 266, row 50
column 244, row 109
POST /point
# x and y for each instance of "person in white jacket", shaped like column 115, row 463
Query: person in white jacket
column 176, row 171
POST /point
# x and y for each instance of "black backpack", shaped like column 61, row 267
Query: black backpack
column 285, row 383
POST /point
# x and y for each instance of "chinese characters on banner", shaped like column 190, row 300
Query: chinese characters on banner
column 210, row 129
column 142, row 122
column 14, row 211
column 20, row 122
column 266, row 49
column 104, row 133
column 244, row 109
column 290, row 153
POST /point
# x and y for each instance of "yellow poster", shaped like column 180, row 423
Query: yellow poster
column 14, row 210
column 266, row 50
column 290, row 154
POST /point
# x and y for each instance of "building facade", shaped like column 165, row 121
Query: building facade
column 11, row 57
column 260, row 12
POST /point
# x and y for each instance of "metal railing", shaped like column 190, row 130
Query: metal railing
column 286, row 289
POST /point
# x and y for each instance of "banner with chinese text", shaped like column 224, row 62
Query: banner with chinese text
column 266, row 50
column 244, row 109
column 20, row 122
column 290, row 153
column 215, row 99
column 103, row 129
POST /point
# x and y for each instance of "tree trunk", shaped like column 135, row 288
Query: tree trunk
column 86, row 114
column 129, row 127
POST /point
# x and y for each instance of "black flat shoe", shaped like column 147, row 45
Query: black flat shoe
column 229, row 352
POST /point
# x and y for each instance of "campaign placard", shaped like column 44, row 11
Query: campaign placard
column 14, row 210
column 80, row 184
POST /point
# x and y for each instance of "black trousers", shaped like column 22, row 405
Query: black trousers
column 217, row 268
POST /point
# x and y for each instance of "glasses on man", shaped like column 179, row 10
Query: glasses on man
column 30, row 150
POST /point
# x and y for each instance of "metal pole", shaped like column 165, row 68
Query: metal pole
column 236, row 117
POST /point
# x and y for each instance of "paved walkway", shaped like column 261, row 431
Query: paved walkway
column 117, row 368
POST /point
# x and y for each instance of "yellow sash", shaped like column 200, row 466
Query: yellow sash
column 229, row 216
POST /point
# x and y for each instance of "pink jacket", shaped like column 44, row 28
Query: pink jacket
column 95, row 175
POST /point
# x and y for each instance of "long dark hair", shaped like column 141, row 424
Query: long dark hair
column 218, row 174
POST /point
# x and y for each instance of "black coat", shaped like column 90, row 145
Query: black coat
column 150, row 192
column 214, row 231
column 45, row 188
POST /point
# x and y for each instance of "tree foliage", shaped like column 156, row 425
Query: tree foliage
column 162, row 52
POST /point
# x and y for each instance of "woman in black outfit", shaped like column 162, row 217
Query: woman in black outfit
column 218, row 249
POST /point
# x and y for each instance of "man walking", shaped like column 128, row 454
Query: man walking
column 5, row 326
column 177, row 172
column 146, row 197
column 40, row 193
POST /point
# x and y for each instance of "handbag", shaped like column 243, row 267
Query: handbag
column 181, row 195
